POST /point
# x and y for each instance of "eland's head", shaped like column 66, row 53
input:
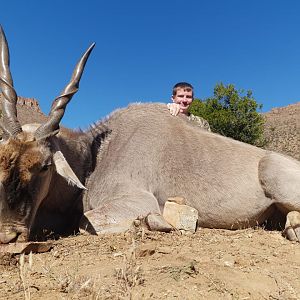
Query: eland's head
column 29, row 155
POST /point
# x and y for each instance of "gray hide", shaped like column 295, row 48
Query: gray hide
column 151, row 155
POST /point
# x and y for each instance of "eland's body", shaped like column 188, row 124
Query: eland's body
column 130, row 164
column 151, row 155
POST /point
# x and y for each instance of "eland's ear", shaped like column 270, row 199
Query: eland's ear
column 64, row 170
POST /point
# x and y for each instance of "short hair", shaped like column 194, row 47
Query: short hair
column 182, row 85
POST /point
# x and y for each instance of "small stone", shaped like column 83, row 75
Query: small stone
column 228, row 261
column 118, row 254
column 182, row 217
column 178, row 200
column 137, row 223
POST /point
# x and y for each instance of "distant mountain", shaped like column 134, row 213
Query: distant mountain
column 282, row 130
column 28, row 111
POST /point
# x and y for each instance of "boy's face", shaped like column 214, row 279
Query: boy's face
column 184, row 98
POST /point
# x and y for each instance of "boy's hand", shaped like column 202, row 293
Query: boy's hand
column 173, row 108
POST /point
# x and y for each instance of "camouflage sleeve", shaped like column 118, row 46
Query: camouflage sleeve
column 199, row 121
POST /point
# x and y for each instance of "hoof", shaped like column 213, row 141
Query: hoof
column 156, row 222
column 292, row 226
column 86, row 227
column 93, row 222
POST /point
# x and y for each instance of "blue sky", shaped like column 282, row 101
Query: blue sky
column 144, row 47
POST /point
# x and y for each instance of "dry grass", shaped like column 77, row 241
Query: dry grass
column 70, row 282
column 74, row 282
column 25, row 269
column 130, row 274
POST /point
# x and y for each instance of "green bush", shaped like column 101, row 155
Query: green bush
column 232, row 113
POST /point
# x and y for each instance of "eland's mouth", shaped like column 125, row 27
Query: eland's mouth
column 7, row 237
column 12, row 236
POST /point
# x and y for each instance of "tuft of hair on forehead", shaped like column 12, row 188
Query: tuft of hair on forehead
column 182, row 85
column 22, row 154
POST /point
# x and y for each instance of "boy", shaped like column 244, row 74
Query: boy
column 182, row 97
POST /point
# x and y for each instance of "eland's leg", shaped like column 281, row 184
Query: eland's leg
column 117, row 214
column 292, row 226
column 280, row 179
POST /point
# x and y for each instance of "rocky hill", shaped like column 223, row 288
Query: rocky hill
column 282, row 130
column 29, row 111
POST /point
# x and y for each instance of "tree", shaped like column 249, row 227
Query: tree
column 232, row 113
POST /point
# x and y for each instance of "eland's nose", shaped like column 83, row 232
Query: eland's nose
column 6, row 237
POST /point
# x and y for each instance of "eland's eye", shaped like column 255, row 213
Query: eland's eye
column 45, row 167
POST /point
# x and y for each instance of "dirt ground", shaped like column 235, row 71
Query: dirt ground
column 210, row 264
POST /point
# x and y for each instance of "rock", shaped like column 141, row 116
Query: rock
column 18, row 248
column 137, row 223
column 178, row 200
column 228, row 261
column 182, row 217
column 29, row 102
